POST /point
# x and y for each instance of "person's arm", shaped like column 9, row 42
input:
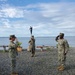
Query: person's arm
column 16, row 42
column 29, row 41
column 57, row 38
column 66, row 47
column 12, row 45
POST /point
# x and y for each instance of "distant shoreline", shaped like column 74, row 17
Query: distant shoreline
column 40, row 41
column 37, row 36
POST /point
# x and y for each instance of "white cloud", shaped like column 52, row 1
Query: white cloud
column 45, row 18
column 11, row 12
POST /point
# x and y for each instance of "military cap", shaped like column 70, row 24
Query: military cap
column 12, row 36
column 32, row 36
column 61, row 34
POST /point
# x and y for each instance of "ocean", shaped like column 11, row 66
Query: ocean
column 47, row 41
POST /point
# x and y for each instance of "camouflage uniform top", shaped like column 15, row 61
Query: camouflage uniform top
column 12, row 49
column 32, row 43
column 63, row 46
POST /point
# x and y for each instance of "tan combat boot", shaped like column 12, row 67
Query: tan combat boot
column 14, row 74
column 58, row 67
column 32, row 55
column 61, row 68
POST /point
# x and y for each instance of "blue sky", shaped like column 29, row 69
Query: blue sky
column 47, row 17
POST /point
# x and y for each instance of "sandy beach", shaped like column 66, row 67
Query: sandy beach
column 44, row 63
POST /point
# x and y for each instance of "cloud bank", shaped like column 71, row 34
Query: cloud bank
column 47, row 19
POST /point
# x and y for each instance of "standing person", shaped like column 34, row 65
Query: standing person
column 32, row 45
column 63, row 48
column 31, row 30
column 13, row 53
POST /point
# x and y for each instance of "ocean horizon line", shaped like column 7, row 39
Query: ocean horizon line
column 35, row 36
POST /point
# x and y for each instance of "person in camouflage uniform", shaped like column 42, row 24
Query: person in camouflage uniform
column 63, row 48
column 32, row 45
column 13, row 53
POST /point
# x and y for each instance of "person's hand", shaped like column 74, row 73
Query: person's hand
column 58, row 36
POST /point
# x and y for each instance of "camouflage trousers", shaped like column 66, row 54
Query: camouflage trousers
column 13, row 65
column 33, row 51
column 61, row 59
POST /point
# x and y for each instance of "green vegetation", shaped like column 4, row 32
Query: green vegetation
column 19, row 43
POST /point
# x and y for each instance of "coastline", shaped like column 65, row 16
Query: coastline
column 40, row 41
